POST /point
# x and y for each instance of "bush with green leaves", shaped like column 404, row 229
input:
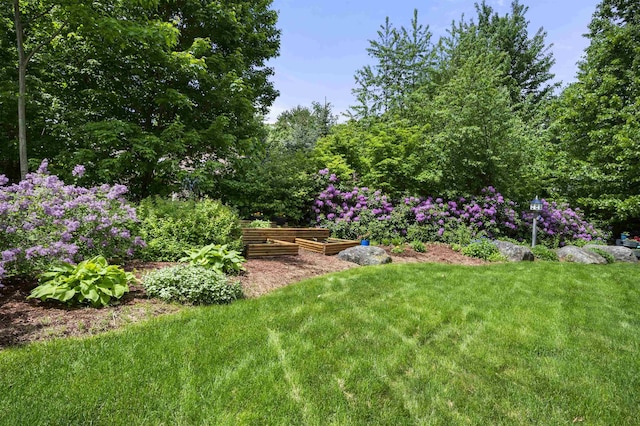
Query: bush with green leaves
column 418, row 246
column 482, row 249
column 607, row 256
column 398, row 249
column 258, row 223
column 190, row 284
column 91, row 281
column 544, row 253
column 218, row 258
column 169, row 227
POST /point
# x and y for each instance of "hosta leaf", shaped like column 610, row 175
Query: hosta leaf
column 119, row 290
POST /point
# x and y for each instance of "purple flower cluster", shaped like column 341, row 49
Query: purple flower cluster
column 562, row 224
column 353, row 211
column 42, row 220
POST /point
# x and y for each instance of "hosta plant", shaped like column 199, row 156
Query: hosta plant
column 215, row 257
column 92, row 281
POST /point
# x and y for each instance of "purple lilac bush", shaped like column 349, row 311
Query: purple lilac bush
column 353, row 212
column 42, row 220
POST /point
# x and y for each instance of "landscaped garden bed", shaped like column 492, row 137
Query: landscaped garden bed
column 271, row 248
column 326, row 246
column 261, row 235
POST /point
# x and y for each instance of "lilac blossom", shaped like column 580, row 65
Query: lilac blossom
column 78, row 170
column 43, row 220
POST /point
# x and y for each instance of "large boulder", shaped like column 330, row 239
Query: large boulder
column 365, row 255
column 619, row 253
column 578, row 255
column 514, row 252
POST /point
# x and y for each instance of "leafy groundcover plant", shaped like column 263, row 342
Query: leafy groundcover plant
column 91, row 281
column 483, row 249
column 544, row 253
column 191, row 285
column 218, row 258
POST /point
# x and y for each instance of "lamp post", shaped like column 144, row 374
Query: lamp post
column 535, row 206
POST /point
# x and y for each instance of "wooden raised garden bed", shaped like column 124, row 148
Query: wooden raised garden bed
column 271, row 248
column 261, row 235
column 326, row 246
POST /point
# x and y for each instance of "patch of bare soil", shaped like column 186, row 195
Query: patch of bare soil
column 23, row 321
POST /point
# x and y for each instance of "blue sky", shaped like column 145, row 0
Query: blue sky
column 323, row 43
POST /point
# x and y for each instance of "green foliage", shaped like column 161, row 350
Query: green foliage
column 398, row 249
column 543, row 253
column 258, row 223
column 418, row 246
column 141, row 90
column 607, row 256
column 300, row 127
column 497, row 257
column 218, row 258
column 597, row 161
column 529, row 60
column 90, row 281
column 482, row 249
column 403, row 61
column 170, row 227
column 190, row 284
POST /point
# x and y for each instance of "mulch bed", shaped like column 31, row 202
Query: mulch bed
column 23, row 321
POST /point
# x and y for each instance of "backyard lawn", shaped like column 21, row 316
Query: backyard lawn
column 526, row 343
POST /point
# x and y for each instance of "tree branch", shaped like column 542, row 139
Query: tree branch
column 45, row 42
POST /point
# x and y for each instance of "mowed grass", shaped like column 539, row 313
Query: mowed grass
column 541, row 343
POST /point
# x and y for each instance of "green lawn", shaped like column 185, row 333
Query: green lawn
column 541, row 343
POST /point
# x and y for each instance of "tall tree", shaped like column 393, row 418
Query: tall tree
column 152, row 89
column 403, row 58
column 598, row 118
column 300, row 127
column 529, row 59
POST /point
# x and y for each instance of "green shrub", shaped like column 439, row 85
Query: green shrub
column 544, row 253
column 91, row 281
column 607, row 256
column 482, row 249
column 396, row 241
column 218, row 258
column 398, row 249
column 170, row 227
column 259, row 224
column 189, row 284
column 418, row 246
column 497, row 257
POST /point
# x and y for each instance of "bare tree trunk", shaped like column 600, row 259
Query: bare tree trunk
column 22, row 91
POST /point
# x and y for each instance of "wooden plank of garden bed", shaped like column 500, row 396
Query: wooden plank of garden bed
column 330, row 247
column 276, row 248
column 260, row 235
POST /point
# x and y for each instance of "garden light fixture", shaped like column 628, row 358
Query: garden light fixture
column 535, row 206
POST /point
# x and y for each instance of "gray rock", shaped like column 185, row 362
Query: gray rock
column 619, row 253
column 514, row 252
column 578, row 255
column 365, row 255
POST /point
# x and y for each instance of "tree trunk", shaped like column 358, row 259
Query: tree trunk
column 22, row 91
